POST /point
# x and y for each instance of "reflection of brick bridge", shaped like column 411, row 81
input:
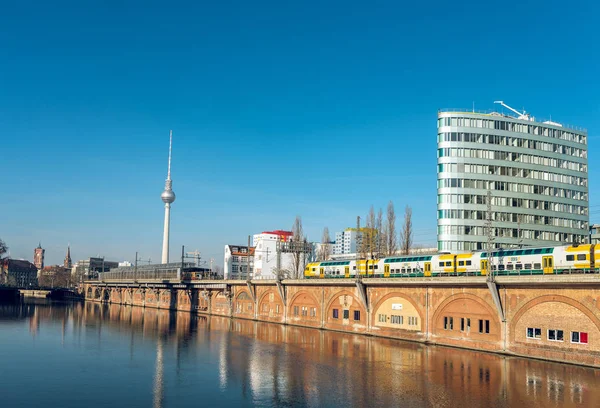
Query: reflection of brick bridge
column 534, row 316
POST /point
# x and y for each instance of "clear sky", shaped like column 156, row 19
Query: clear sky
column 278, row 109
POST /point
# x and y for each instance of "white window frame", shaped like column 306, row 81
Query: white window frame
column 556, row 335
column 534, row 329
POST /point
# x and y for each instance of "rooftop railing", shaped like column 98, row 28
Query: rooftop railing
column 504, row 115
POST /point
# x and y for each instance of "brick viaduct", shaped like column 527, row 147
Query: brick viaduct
column 524, row 316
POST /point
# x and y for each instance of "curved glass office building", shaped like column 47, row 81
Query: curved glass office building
column 535, row 172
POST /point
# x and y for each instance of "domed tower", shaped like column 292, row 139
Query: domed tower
column 168, row 196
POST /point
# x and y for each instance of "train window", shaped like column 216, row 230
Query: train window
column 509, row 267
column 527, row 266
column 441, row 264
column 500, row 267
column 537, row 266
column 581, row 257
column 570, row 257
column 468, row 263
column 461, row 263
column 354, row 268
column 518, row 266
column 449, row 263
column 376, row 267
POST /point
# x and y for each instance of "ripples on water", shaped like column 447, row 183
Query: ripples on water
column 92, row 355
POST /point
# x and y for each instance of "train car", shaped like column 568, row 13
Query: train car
column 455, row 264
column 330, row 269
column 577, row 258
column 311, row 270
column 404, row 266
column 525, row 261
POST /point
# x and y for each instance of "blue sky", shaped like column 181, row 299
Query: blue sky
column 317, row 109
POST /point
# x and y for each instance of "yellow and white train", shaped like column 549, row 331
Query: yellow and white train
column 525, row 261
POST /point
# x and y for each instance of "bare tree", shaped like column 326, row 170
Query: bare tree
column 3, row 248
column 55, row 277
column 299, row 256
column 217, row 270
column 369, row 238
column 406, row 238
column 325, row 249
column 390, row 230
column 379, row 234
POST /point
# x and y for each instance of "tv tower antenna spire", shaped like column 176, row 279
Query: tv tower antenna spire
column 167, row 196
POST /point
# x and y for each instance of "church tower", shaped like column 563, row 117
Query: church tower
column 68, row 264
column 38, row 256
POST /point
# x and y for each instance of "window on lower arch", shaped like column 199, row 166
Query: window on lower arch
column 484, row 326
column 555, row 335
column 357, row 315
column 296, row 310
column 335, row 313
column 448, row 323
column 346, row 314
column 579, row 337
column 382, row 318
column 534, row 333
column 313, row 312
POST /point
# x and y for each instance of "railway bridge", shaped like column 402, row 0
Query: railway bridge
column 552, row 317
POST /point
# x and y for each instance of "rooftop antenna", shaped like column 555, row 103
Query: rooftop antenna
column 522, row 115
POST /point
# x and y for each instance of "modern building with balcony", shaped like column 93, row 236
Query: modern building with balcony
column 534, row 173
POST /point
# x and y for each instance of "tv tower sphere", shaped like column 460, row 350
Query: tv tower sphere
column 168, row 196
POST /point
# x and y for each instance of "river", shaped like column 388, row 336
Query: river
column 92, row 355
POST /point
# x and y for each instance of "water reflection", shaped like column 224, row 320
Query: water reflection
column 142, row 357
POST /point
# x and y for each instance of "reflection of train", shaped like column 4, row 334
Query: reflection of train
column 525, row 261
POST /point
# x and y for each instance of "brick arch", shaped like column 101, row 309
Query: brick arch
column 267, row 292
column 303, row 292
column 551, row 298
column 493, row 313
column 343, row 292
column 403, row 296
column 243, row 306
column 243, row 291
column 273, row 312
column 314, row 321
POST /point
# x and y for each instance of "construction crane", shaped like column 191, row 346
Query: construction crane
column 522, row 115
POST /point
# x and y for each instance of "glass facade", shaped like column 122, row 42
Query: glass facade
column 535, row 175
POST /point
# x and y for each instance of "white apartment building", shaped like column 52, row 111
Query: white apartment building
column 265, row 259
column 345, row 242
column 236, row 261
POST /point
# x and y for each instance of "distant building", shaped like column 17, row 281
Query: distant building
column 68, row 263
column 265, row 256
column 536, row 175
column 345, row 242
column 18, row 273
column 236, row 261
column 595, row 234
column 89, row 268
column 125, row 263
column 348, row 241
column 38, row 256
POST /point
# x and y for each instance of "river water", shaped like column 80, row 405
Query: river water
column 92, row 355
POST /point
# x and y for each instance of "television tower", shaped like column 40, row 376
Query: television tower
column 168, row 196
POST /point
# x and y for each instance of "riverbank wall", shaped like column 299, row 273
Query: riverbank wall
column 554, row 318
